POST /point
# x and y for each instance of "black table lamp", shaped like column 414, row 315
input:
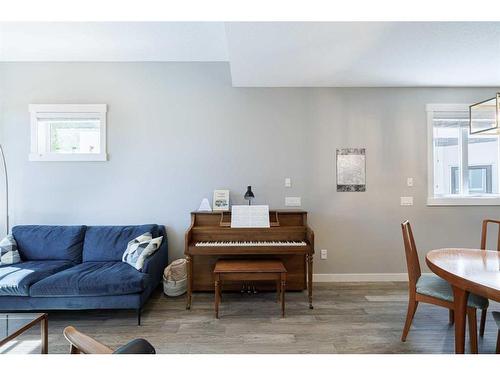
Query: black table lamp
column 249, row 195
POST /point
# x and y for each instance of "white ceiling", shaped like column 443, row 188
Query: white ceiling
column 113, row 41
column 364, row 54
column 361, row 54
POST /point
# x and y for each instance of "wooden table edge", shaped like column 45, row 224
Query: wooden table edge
column 455, row 280
column 462, row 287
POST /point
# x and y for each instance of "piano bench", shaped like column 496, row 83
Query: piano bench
column 250, row 270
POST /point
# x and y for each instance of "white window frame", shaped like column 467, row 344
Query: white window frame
column 489, row 200
column 38, row 111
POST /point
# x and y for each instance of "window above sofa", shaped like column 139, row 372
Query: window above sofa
column 68, row 132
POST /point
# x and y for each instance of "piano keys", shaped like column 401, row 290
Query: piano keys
column 251, row 243
column 288, row 239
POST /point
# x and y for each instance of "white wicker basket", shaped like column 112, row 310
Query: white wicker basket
column 174, row 288
column 175, row 278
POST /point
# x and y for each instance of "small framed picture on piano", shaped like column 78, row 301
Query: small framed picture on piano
column 221, row 200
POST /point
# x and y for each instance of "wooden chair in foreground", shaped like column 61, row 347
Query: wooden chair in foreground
column 496, row 317
column 484, row 238
column 83, row 344
column 434, row 290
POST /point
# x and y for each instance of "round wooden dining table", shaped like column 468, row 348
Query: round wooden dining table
column 468, row 271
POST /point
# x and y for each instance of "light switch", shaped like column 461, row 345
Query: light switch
column 406, row 201
column 409, row 181
column 324, row 254
column 288, row 182
column 292, row 201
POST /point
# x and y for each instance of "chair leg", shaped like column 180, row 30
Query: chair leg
column 451, row 317
column 498, row 343
column 471, row 314
column 412, row 307
column 483, row 322
column 139, row 317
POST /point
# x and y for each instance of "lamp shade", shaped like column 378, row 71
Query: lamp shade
column 484, row 116
column 249, row 194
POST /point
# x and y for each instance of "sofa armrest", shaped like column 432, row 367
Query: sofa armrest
column 156, row 263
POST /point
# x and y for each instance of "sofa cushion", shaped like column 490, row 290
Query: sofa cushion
column 140, row 249
column 108, row 243
column 8, row 251
column 16, row 279
column 50, row 242
column 92, row 279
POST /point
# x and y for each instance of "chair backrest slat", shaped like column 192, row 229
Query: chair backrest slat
column 484, row 233
column 411, row 253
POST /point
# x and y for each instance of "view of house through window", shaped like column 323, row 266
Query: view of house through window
column 74, row 135
column 464, row 164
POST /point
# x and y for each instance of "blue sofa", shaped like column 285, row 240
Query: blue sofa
column 79, row 268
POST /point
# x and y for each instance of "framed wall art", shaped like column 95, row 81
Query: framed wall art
column 351, row 170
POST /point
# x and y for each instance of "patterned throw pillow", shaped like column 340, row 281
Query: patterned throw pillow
column 8, row 251
column 140, row 248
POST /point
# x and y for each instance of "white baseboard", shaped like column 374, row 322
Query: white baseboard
column 359, row 277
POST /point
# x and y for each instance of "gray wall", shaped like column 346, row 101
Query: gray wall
column 177, row 131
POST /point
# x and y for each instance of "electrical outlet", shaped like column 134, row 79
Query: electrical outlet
column 406, row 201
column 324, row 254
column 288, row 182
column 292, row 201
column 409, row 181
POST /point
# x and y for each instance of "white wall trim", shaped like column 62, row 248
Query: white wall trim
column 464, row 201
column 359, row 277
column 68, row 108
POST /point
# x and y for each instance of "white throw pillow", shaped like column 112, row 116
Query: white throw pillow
column 8, row 251
column 140, row 248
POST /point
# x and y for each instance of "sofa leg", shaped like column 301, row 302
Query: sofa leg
column 138, row 317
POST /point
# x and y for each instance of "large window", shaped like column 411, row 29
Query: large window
column 463, row 168
column 68, row 132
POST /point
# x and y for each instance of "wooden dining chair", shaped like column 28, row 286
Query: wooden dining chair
column 484, row 233
column 484, row 239
column 80, row 343
column 496, row 317
column 434, row 290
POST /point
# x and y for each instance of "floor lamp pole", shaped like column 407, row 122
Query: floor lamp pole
column 6, row 190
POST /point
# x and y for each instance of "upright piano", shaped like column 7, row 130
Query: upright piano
column 210, row 237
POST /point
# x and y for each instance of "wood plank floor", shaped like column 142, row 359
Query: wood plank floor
column 347, row 318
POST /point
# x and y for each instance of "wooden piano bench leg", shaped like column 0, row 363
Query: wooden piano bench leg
column 283, row 289
column 278, row 291
column 217, row 297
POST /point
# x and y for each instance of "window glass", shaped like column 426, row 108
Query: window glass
column 446, row 134
column 73, row 136
column 464, row 164
column 477, row 180
column 483, row 164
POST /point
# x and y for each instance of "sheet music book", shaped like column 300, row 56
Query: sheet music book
column 250, row 216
